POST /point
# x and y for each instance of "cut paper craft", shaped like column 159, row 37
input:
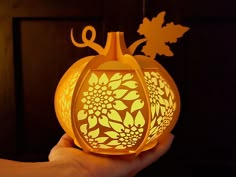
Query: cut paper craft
column 116, row 103
column 157, row 36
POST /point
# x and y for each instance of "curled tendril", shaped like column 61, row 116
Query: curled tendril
column 133, row 46
column 87, row 42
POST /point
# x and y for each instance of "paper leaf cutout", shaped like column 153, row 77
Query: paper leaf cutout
column 158, row 35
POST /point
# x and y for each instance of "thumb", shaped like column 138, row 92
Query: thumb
column 65, row 141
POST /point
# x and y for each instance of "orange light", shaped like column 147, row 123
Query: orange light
column 116, row 103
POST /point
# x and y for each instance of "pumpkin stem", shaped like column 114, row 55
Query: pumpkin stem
column 115, row 46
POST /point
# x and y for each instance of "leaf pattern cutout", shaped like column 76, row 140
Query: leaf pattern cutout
column 65, row 99
column 159, row 35
column 162, row 102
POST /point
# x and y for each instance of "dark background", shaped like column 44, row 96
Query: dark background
column 35, row 51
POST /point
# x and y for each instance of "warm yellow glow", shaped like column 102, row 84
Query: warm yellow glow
column 163, row 103
column 117, row 103
column 111, row 103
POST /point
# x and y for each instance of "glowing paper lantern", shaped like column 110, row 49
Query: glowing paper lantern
column 116, row 103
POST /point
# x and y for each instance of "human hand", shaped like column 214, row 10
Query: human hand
column 81, row 164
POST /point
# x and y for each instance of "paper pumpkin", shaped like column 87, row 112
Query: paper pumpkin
column 118, row 103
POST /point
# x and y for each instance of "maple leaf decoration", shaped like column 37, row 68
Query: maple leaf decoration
column 157, row 35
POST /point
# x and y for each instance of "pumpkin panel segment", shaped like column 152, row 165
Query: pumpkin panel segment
column 64, row 93
column 110, row 112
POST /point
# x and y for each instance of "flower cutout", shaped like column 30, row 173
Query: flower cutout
column 66, row 97
column 160, row 123
column 126, row 135
column 162, row 103
column 167, row 115
column 155, row 91
column 105, row 97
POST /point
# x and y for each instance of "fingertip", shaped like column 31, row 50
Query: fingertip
column 171, row 137
column 165, row 142
column 66, row 136
column 167, row 138
column 66, row 141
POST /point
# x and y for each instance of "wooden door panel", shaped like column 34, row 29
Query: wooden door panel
column 7, row 97
column 36, row 52
column 43, row 52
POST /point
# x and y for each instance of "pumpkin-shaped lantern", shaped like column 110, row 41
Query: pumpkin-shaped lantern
column 116, row 103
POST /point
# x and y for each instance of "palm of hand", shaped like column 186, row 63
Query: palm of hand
column 85, row 164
